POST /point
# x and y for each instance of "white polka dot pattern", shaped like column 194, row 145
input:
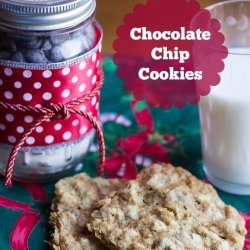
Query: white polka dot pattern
column 66, row 71
column 89, row 72
column 83, row 107
column 11, row 139
column 67, row 135
column 82, row 65
column 83, row 130
column 47, row 74
column 94, row 79
column 47, row 96
column 58, row 126
column 27, row 97
column 97, row 106
column 9, row 117
column 39, row 129
column 82, row 87
column 20, row 129
column 93, row 101
column 66, row 93
column 30, row 140
column 75, row 122
column 37, row 85
column 8, row 95
column 49, row 139
column 27, row 74
column 38, row 88
column 8, row 72
column 18, row 85
column 94, row 57
column 57, row 84
column 75, row 79
column 28, row 119
column 2, row 127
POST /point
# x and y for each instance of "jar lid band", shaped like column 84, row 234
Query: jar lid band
column 44, row 15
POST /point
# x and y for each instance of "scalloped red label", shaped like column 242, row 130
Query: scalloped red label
column 169, row 52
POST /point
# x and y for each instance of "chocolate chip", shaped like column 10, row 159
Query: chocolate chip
column 35, row 56
column 9, row 45
column 17, row 57
column 47, row 54
column 72, row 48
column 5, row 55
column 12, row 46
column 57, row 39
column 32, row 44
column 56, row 54
column 2, row 42
column 47, row 45
column 86, row 41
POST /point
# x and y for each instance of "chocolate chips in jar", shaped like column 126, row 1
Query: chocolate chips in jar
column 17, row 57
column 4, row 54
column 58, row 39
column 51, row 48
column 47, row 45
column 35, row 56
column 56, row 54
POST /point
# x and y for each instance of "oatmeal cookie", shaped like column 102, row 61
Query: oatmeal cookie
column 167, row 208
column 75, row 199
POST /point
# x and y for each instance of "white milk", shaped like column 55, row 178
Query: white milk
column 225, row 120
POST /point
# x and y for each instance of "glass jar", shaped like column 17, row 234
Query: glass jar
column 225, row 112
column 45, row 48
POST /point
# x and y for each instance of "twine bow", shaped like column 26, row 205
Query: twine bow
column 55, row 111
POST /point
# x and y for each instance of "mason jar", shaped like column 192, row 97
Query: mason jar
column 49, row 53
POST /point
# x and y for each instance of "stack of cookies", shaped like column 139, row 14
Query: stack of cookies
column 164, row 208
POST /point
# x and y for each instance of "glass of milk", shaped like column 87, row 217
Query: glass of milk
column 225, row 112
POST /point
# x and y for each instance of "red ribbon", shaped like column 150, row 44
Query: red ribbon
column 55, row 111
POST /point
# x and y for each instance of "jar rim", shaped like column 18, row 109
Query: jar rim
column 45, row 15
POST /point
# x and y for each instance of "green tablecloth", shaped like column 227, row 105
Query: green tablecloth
column 24, row 209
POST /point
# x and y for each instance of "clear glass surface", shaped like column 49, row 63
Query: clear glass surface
column 225, row 112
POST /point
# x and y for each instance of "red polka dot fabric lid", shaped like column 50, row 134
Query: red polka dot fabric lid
column 55, row 83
